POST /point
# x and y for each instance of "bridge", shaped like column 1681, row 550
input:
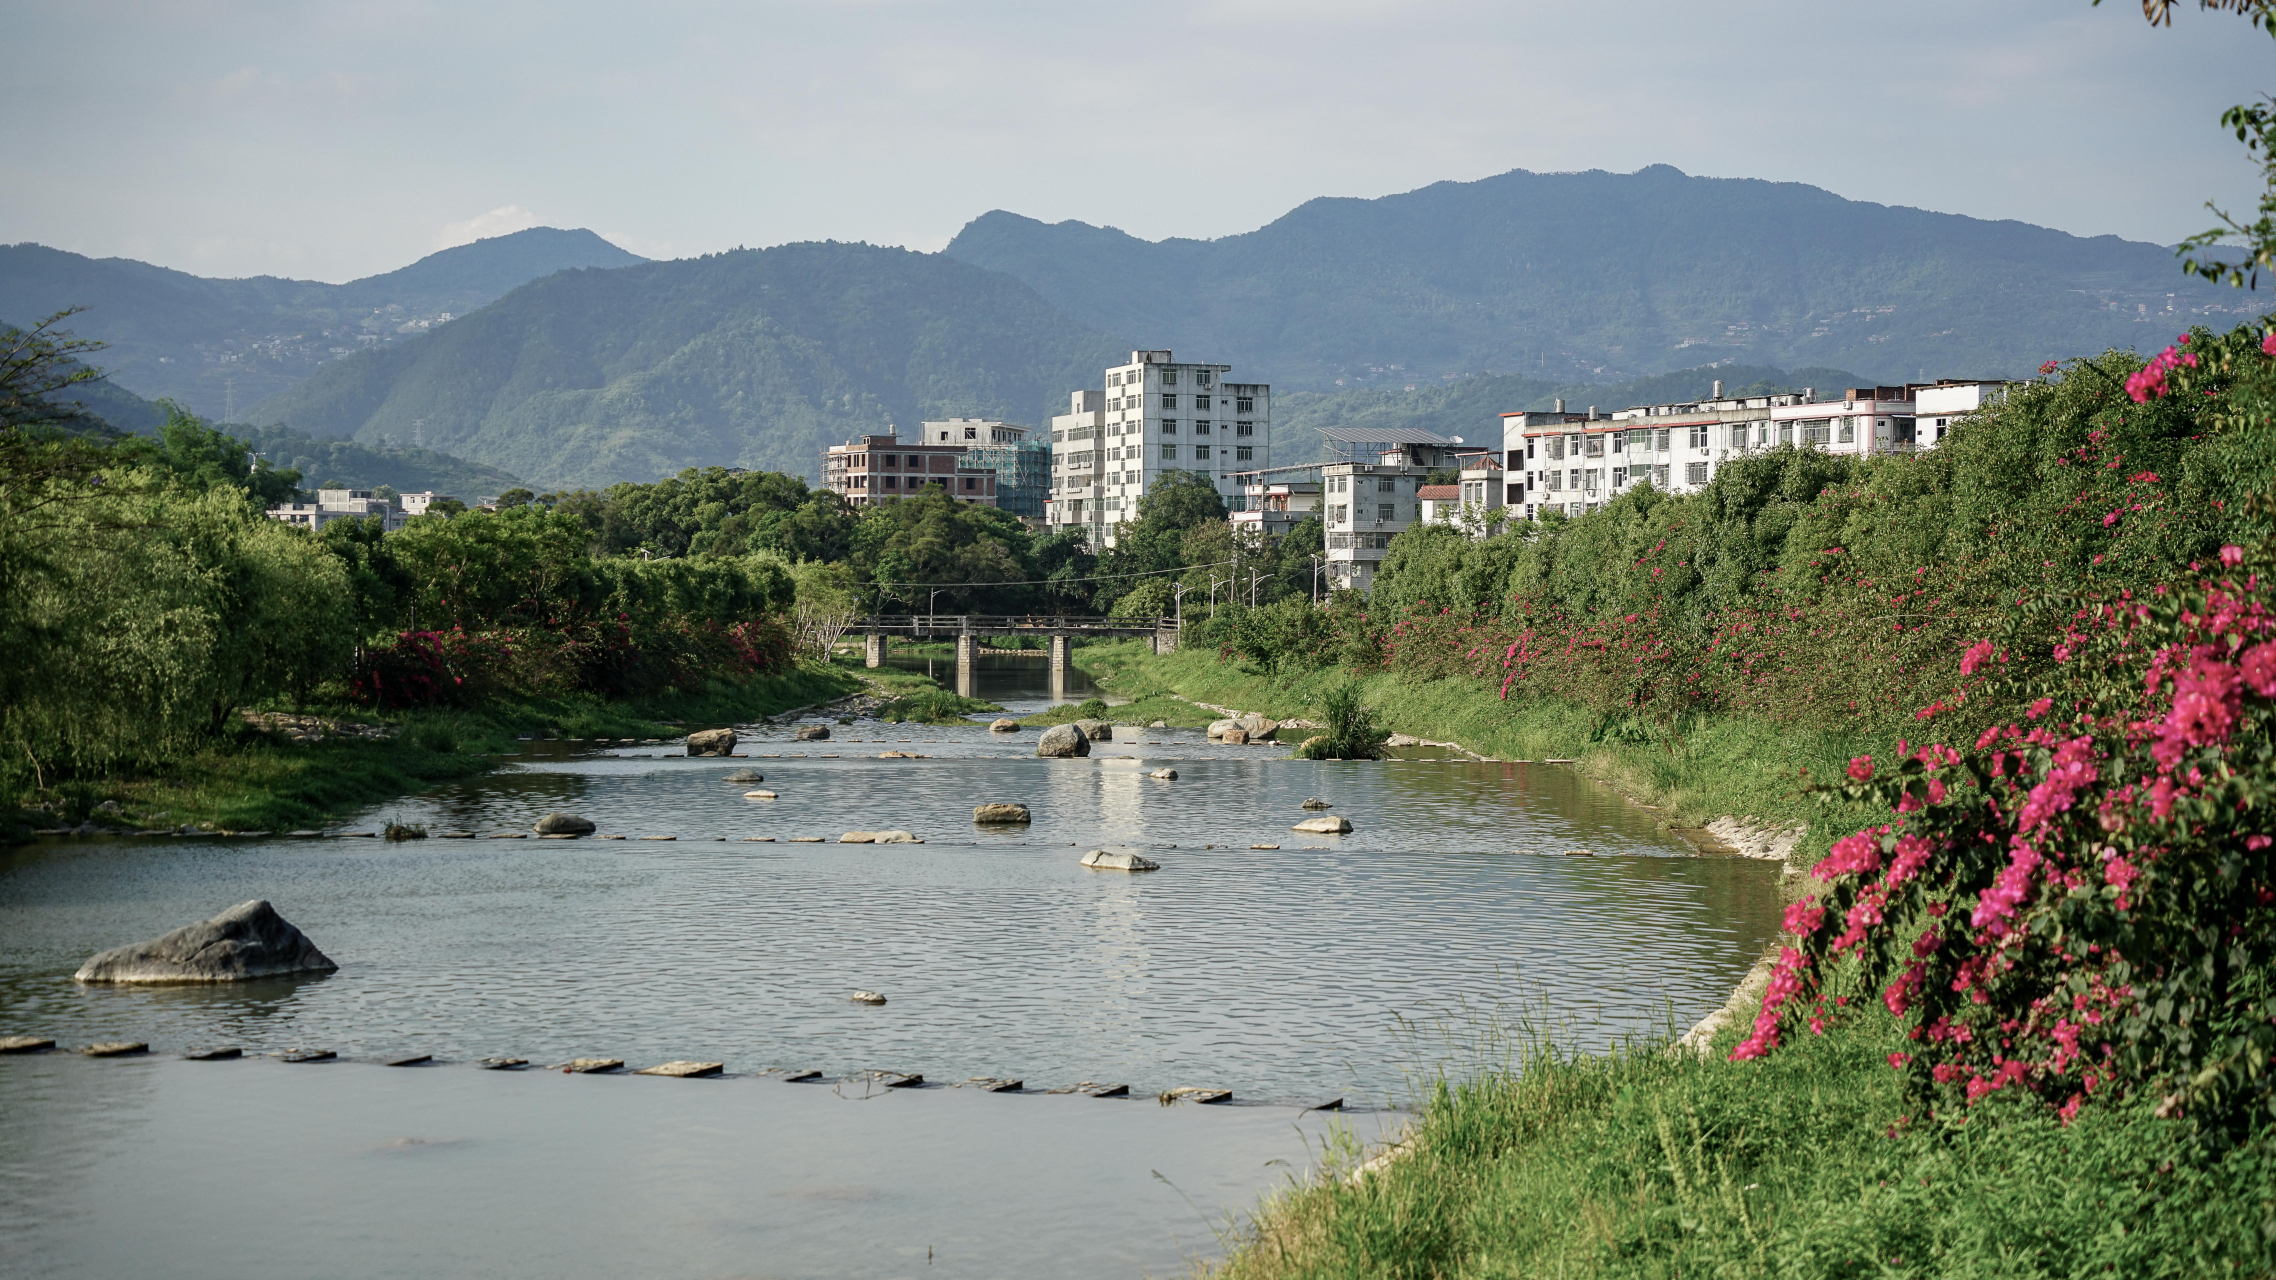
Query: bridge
column 967, row 629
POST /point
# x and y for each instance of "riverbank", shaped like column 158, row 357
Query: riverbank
column 1692, row 780
column 285, row 768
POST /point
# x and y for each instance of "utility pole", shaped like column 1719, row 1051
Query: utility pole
column 1254, row 579
column 1177, row 598
column 1315, row 577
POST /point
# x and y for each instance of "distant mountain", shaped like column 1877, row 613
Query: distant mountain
column 1602, row 276
column 1470, row 408
column 755, row 358
column 219, row 346
column 355, row 465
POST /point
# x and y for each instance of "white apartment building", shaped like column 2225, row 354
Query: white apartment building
column 1368, row 504
column 1270, row 508
column 1472, row 504
column 1153, row 415
column 1577, row 462
column 341, row 504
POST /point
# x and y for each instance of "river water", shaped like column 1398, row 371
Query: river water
column 1332, row 967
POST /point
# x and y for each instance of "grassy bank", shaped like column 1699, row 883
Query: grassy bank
column 1707, row 769
column 251, row 778
column 1643, row 1163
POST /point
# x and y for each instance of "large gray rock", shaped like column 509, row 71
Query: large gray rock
column 1324, row 826
column 1101, row 860
column 1217, row 728
column 813, row 733
column 711, row 742
column 1004, row 725
column 1096, row 730
column 746, row 775
column 1063, row 740
column 250, row 940
column 991, row 814
column 1260, row 728
column 1234, row 737
column 562, row 824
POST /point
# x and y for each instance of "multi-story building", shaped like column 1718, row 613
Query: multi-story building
column 1473, row 504
column 340, row 504
column 1270, row 508
column 1577, row 462
column 872, row 470
column 1154, row 415
column 1022, row 466
column 1368, row 504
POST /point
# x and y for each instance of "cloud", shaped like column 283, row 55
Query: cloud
column 498, row 222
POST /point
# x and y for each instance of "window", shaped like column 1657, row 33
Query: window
column 1529, row 448
column 1659, row 440
column 1169, row 402
column 1659, row 476
column 972, row 433
column 1201, row 453
column 1244, row 428
column 892, row 482
column 1244, row 404
column 1619, row 440
column 1201, row 402
column 1819, row 432
column 1785, row 433
column 1201, row 378
column 1386, row 511
column 1695, row 473
column 1336, row 513
column 1619, row 476
column 1699, row 437
column 1169, row 377
column 891, row 459
column 1169, row 426
column 1739, row 437
column 1552, row 480
column 971, row 482
column 1595, row 446
column 1556, row 446
column 1642, row 440
column 1244, row 453
column 1201, row 426
column 1169, row 453
column 1386, row 485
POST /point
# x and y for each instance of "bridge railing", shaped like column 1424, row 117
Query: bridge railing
column 1041, row 624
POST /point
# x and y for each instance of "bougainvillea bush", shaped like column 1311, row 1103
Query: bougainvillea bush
column 2081, row 901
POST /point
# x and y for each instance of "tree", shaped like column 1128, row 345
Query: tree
column 1180, row 502
column 908, row 548
column 195, row 455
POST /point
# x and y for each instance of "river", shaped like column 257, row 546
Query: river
column 1457, row 914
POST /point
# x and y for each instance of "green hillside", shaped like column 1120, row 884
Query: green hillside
column 406, row 469
column 222, row 345
column 1600, row 276
column 1471, row 408
column 755, row 358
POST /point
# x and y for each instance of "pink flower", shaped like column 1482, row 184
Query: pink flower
column 1861, row 768
column 1977, row 655
column 2040, row 707
column 2268, row 344
column 2232, row 555
column 2051, row 365
column 2258, row 667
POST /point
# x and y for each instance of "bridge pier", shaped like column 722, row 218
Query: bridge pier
column 873, row 649
column 966, row 643
column 1058, row 668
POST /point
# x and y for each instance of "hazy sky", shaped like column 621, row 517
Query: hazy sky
column 334, row 140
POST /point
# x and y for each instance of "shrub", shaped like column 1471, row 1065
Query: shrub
column 1351, row 735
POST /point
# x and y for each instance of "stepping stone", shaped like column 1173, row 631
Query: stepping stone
column 659, row 837
column 759, row 795
column 502, row 1064
column 892, row 1079
column 115, row 1049
column 302, row 834
column 758, row 839
column 510, row 835
column 227, row 1053
column 795, row 1076
column 1105, row 1090
column 454, row 835
column 591, row 1066
column 1332, row 1104
column 1323, row 826
column 557, row 837
column 309, row 1055
column 1190, row 1093
column 990, row 1084
column 608, row 837
column 414, row 1060
column 683, row 1070
column 806, row 839
column 25, row 1044
column 251, row 835
column 867, row 997
column 1101, row 860
column 348, row 835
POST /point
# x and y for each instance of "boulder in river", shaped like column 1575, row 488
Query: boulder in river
column 711, row 742
column 813, row 733
column 563, row 824
column 250, row 940
column 1096, row 730
column 1234, row 737
column 1217, row 728
column 1159, row 724
column 1165, row 773
column 745, row 775
column 1317, row 803
column 868, row 997
column 994, row 814
column 1101, row 860
column 1259, row 727
column 1006, row 725
column 1061, row 741
column 1323, row 826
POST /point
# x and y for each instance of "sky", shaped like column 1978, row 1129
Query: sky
column 330, row 140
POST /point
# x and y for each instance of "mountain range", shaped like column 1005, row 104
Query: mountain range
column 219, row 346
column 558, row 357
column 1600, row 276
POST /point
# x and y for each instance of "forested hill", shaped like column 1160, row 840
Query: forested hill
column 754, row 358
column 218, row 346
column 1602, row 276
